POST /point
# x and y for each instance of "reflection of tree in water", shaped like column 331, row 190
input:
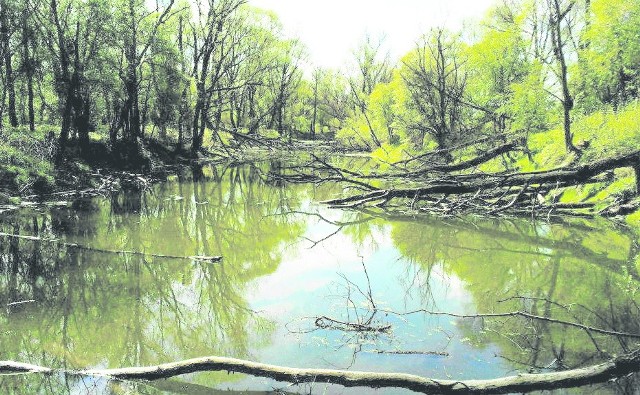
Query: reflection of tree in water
column 94, row 309
column 561, row 272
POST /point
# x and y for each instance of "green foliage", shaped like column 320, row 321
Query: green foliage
column 608, row 73
column 355, row 134
column 25, row 160
column 529, row 105
column 609, row 132
column 388, row 154
column 502, row 78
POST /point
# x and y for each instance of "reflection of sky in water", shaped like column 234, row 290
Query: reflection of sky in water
column 308, row 284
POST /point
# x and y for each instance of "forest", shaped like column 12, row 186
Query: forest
column 528, row 114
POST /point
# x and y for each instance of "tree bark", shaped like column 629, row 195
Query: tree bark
column 558, row 15
column 636, row 171
column 63, row 88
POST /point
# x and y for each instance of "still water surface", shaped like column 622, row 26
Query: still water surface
column 288, row 260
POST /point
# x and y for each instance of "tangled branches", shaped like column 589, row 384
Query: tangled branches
column 456, row 188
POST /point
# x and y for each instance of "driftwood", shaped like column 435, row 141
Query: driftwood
column 564, row 176
column 19, row 367
column 425, row 170
column 480, row 159
column 617, row 367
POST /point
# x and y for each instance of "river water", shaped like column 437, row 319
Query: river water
column 288, row 260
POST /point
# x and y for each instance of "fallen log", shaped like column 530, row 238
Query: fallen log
column 602, row 372
column 566, row 176
column 325, row 322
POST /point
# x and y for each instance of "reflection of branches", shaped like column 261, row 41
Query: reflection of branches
column 314, row 243
column 107, row 251
column 569, row 309
column 412, row 352
column 524, row 315
column 340, row 225
column 325, row 219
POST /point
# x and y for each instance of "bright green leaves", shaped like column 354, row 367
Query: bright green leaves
column 610, row 54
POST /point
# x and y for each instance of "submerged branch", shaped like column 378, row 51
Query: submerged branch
column 200, row 258
column 412, row 352
column 524, row 315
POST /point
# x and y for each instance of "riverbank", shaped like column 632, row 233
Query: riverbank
column 34, row 170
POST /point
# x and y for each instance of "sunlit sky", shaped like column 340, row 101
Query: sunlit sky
column 332, row 29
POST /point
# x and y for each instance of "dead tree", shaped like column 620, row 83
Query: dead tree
column 437, row 83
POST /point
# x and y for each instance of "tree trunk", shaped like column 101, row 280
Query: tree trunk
column 132, row 121
column 28, row 65
column 63, row 88
column 558, row 49
column 199, row 116
column 560, row 177
column 182, row 111
column 9, row 86
column 315, row 106
column 636, row 170
column 198, row 121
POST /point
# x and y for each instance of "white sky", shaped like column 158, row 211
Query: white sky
column 332, row 29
